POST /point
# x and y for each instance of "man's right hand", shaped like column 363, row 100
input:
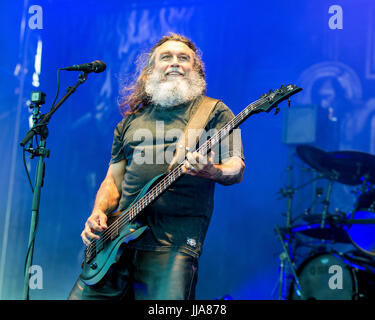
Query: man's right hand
column 97, row 222
column 106, row 200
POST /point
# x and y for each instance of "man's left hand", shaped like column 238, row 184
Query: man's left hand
column 201, row 166
column 229, row 172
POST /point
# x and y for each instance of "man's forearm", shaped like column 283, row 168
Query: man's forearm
column 230, row 172
column 108, row 197
column 227, row 173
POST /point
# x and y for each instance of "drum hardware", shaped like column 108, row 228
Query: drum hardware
column 346, row 167
column 361, row 258
column 284, row 256
column 289, row 192
column 361, row 220
column 334, row 276
column 333, row 231
column 318, row 194
column 353, row 167
column 326, row 204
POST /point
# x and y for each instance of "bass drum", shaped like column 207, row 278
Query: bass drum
column 330, row 276
column 363, row 235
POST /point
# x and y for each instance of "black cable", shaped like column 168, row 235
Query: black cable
column 31, row 243
column 58, row 87
column 27, row 171
column 37, row 216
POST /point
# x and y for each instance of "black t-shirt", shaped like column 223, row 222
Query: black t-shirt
column 179, row 218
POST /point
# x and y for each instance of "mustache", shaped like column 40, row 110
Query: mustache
column 174, row 70
column 160, row 77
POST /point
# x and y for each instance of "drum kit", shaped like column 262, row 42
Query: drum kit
column 326, row 273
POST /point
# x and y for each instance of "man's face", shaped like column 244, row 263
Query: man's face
column 174, row 60
column 173, row 79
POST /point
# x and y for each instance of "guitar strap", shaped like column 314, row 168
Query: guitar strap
column 193, row 130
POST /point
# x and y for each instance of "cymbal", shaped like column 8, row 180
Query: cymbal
column 314, row 157
column 352, row 166
column 346, row 167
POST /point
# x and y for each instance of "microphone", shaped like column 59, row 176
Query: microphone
column 95, row 66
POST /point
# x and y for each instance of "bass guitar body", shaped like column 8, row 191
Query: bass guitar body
column 103, row 253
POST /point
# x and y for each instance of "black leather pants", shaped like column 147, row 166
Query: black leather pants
column 144, row 275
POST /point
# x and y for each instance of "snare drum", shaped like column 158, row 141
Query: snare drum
column 333, row 230
column 331, row 276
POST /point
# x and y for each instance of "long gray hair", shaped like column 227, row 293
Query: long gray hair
column 134, row 96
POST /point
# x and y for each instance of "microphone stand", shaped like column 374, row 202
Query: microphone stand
column 40, row 128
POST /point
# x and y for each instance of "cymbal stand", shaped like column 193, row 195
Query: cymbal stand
column 317, row 192
column 285, row 256
column 326, row 204
column 287, row 192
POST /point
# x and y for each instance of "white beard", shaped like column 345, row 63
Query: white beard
column 173, row 92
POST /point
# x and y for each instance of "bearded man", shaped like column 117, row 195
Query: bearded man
column 163, row 262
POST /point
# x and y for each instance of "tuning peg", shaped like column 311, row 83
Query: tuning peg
column 270, row 91
column 277, row 110
column 282, row 85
